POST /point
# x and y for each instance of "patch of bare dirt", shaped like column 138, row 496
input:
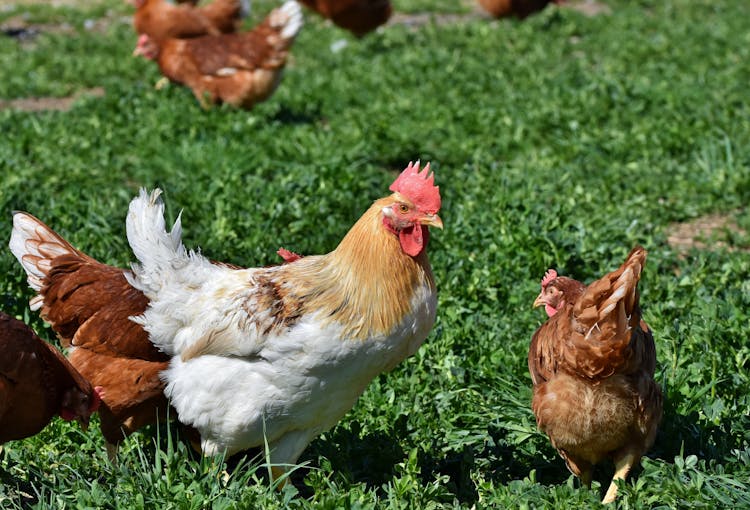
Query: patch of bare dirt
column 21, row 29
column 25, row 32
column 706, row 233
column 44, row 104
column 587, row 7
column 418, row 19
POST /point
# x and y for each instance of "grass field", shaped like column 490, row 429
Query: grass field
column 561, row 141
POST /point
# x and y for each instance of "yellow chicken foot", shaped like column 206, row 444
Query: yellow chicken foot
column 622, row 468
column 111, row 451
column 279, row 473
column 161, row 83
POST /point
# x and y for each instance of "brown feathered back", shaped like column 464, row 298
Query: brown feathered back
column 517, row 8
column 357, row 16
column 606, row 325
column 89, row 305
column 240, row 69
column 161, row 20
column 34, row 380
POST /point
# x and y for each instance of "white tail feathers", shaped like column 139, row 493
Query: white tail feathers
column 35, row 245
column 288, row 18
column 156, row 249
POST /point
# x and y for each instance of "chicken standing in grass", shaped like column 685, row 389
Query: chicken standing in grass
column 162, row 20
column 592, row 365
column 240, row 69
column 37, row 383
column 280, row 354
column 357, row 16
column 89, row 305
column 516, row 8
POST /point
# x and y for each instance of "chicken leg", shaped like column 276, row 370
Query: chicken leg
column 623, row 465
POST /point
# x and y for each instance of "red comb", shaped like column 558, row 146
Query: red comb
column 550, row 275
column 419, row 187
column 288, row 256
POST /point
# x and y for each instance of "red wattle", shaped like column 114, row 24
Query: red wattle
column 550, row 311
column 66, row 414
column 414, row 239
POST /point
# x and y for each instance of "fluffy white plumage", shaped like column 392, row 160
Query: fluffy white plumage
column 238, row 370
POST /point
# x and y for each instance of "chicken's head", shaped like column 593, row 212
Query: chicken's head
column 146, row 48
column 414, row 206
column 78, row 404
column 557, row 291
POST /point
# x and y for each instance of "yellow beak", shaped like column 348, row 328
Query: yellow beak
column 433, row 220
column 539, row 301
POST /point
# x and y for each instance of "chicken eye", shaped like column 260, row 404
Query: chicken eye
column 403, row 209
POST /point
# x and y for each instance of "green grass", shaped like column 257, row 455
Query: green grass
column 561, row 141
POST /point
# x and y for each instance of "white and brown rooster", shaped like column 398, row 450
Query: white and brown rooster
column 279, row 354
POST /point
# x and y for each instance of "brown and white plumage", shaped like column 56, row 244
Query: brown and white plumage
column 280, row 354
column 37, row 383
column 89, row 305
column 240, row 69
column 592, row 365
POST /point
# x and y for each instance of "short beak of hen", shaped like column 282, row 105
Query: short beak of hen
column 539, row 301
column 433, row 220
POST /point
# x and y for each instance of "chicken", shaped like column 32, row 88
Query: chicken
column 357, row 16
column 517, row 8
column 161, row 20
column 240, row 69
column 37, row 383
column 277, row 355
column 89, row 305
column 592, row 366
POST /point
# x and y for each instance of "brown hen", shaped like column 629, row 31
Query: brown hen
column 517, row 8
column 357, row 16
column 89, row 305
column 162, row 20
column 37, row 383
column 240, row 69
column 592, row 365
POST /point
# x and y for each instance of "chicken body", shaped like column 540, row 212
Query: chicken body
column 240, row 69
column 89, row 305
column 37, row 383
column 357, row 16
column 162, row 20
column 592, row 365
column 280, row 354
column 517, row 8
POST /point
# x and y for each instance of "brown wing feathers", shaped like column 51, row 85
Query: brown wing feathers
column 89, row 305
